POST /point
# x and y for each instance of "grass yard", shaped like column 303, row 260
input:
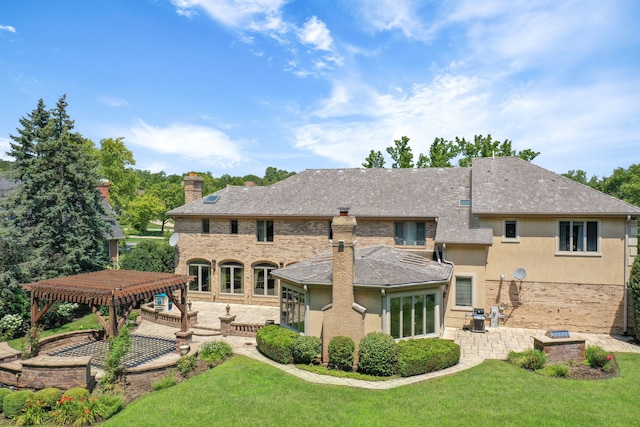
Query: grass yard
column 88, row 321
column 243, row 391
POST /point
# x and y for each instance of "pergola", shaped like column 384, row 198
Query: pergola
column 111, row 288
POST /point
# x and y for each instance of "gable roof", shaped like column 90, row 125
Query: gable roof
column 375, row 266
column 512, row 186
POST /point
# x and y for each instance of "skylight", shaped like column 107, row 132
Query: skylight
column 211, row 199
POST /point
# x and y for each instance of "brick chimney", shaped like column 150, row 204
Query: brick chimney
column 192, row 187
column 103, row 188
column 342, row 318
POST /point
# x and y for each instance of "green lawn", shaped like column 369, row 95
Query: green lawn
column 88, row 321
column 244, row 392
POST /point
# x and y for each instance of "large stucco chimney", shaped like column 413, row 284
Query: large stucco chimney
column 192, row 187
column 342, row 318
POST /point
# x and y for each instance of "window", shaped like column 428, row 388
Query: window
column 413, row 315
column 265, row 231
column 409, row 233
column 464, row 291
column 578, row 236
column 292, row 309
column 232, row 278
column 202, row 271
column 234, row 226
column 263, row 282
column 511, row 229
column 205, row 226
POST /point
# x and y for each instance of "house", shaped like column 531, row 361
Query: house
column 410, row 251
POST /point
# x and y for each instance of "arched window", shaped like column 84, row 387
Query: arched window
column 232, row 278
column 202, row 270
column 263, row 282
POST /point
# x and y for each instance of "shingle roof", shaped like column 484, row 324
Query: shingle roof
column 509, row 185
column 377, row 266
column 369, row 193
column 504, row 185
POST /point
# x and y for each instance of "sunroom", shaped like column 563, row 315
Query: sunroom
column 396, row 291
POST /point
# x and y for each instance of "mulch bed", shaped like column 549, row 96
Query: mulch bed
column 586, row 372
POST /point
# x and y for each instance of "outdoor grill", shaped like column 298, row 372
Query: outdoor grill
column 478, row 316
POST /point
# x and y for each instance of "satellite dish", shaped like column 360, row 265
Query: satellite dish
column 173, row 240
column 520, row 274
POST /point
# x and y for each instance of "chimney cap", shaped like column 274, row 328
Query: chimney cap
column 344, row 211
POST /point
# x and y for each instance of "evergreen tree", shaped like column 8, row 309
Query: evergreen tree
column 56, row 212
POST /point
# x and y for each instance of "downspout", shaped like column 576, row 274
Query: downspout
column 626, row 277
column 446, row 298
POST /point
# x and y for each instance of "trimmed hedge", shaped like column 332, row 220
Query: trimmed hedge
column 341, row 351
column 14, row 403
column 422, row 355
column 306, row 349
column 377, row 355
column 48, row 396
column 276, row 343
column 3, row 392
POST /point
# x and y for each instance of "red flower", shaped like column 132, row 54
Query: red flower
column 609, row 357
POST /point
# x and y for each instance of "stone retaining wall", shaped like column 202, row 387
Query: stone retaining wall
column 48, row 371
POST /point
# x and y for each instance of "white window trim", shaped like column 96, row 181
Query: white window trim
column 386, row 327
column 232, row 265
column 584, row 253
column 506, row 239
column 257, row 266
column 474, row 291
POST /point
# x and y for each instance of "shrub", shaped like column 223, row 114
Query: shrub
column 214, row 351
column 114, row 364
column 77, row 411
column 186, row 364
column 558, row 370
column 3, row 393
column 168, row 381
column 276, row 343
column 306, row 349
column 77, row 393
column 341, row 353
column 532, row 359
column 377, row 354
column 10, row 326
column 34, row 413
column 419, row 356
column 598, row 358
column 48, row 396
column 111, row 403
column 14, row 403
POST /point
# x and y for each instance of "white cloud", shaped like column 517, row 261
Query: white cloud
column 394, row 15
column 4, row 147
column 193, row 142
column 314, row 33
column 259, row 14
column 7, row 28
column 591, row 122
column 111, row 101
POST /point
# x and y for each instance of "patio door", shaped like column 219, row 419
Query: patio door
column 414, row 315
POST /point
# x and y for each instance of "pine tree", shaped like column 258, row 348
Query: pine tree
column 56, row 211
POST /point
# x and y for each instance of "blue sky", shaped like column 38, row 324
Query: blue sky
column 235, row 86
